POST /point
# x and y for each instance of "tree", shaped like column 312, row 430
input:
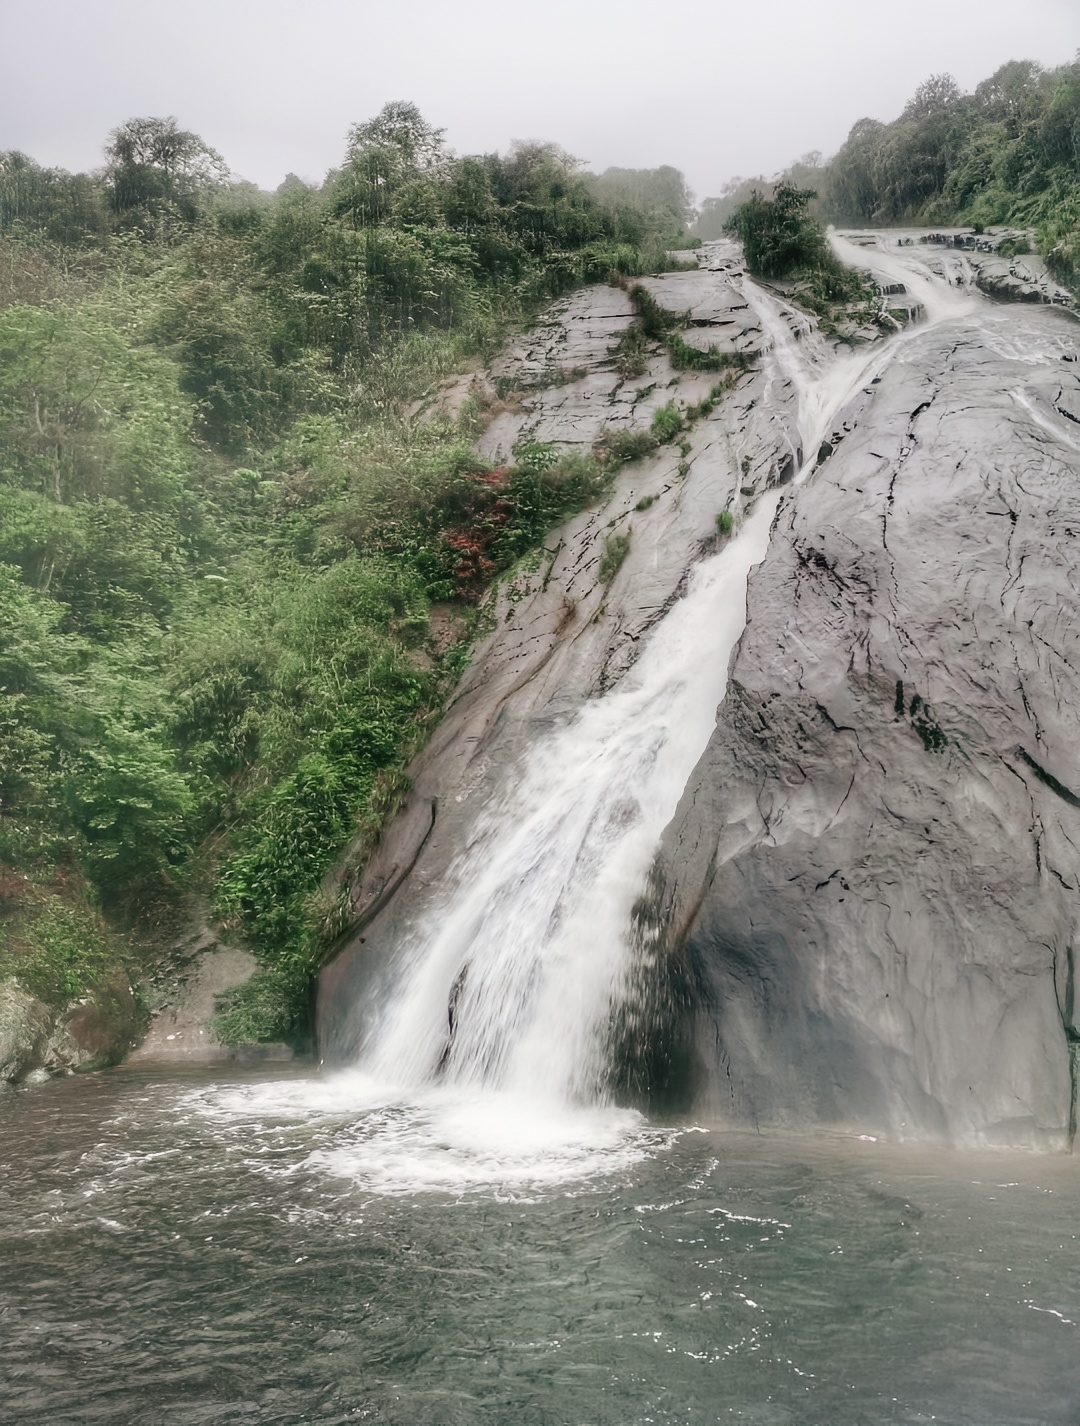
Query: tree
column 933, row 95
column 662, row 194
column 400, row 127
column 778, row 235
column 396, row 150
column 853, row 180
column 66, row 207
column 716, row 211
column 153, row 164
column 1011, row 90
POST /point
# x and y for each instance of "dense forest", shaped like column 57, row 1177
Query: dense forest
column 1009, row 153
column 221, row 535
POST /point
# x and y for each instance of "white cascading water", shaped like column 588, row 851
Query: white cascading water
column 486, row 1065
column 531, row 945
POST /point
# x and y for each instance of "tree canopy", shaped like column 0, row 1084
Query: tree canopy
column 1008, row 153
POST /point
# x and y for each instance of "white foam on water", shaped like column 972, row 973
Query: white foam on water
column 351, row 1127
column 942, row 296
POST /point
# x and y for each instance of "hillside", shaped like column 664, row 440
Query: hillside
column 222, row 535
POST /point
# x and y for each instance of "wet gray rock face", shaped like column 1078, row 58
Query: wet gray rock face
column 875, row 870
column 1019, row 279
column 1023, row 277
column 38, row 1041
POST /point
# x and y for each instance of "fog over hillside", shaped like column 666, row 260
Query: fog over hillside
column 719, row 90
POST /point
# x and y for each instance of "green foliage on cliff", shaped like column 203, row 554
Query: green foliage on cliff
column 616, row 548
column 54, row 944
column 1008, row 153
column 781, row 239
column 221, row 534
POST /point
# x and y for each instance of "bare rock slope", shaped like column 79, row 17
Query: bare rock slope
column 876, row 867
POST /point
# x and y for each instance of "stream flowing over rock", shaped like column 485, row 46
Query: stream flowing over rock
column 864, row 908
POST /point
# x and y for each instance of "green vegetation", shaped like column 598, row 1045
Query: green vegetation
column 1006, row 154
column 782, row 240
column 708, row 404
column 667, row 422
column 777, row 234
column 685, row 357
column 616, row 548
column 654, row 323
column 714, row 214
column 657, row 199
column 221, row 535
column 57, row 946
column 651, row 324
column 1009, row 153
column 632, row 352
column 725, row 523
column 618, row 448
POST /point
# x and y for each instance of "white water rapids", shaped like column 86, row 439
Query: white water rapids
column 487, row 1061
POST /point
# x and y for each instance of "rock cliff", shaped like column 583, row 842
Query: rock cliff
column 875, row 868
column 559, row 632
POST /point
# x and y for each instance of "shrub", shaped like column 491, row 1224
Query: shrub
column 666, row 424
column 274, row 1005
column 541, row 495
column 56, row 947
column 778, row 235
column 618, row 448
column 616, row 548
column 725, row 523
column 655, row 321
column 632, row 352
column 708, row 404
column 684, row 356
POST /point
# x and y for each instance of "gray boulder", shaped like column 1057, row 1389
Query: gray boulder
column 25, row 1024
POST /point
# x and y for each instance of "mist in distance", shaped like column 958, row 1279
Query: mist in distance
column 275, row 84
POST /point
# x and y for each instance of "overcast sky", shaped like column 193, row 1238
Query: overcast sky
column 716, row 87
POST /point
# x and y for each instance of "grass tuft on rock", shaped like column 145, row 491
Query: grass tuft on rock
column 616, row 548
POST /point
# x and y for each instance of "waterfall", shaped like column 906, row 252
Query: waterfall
column 510, row 980
column 485, row 1057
